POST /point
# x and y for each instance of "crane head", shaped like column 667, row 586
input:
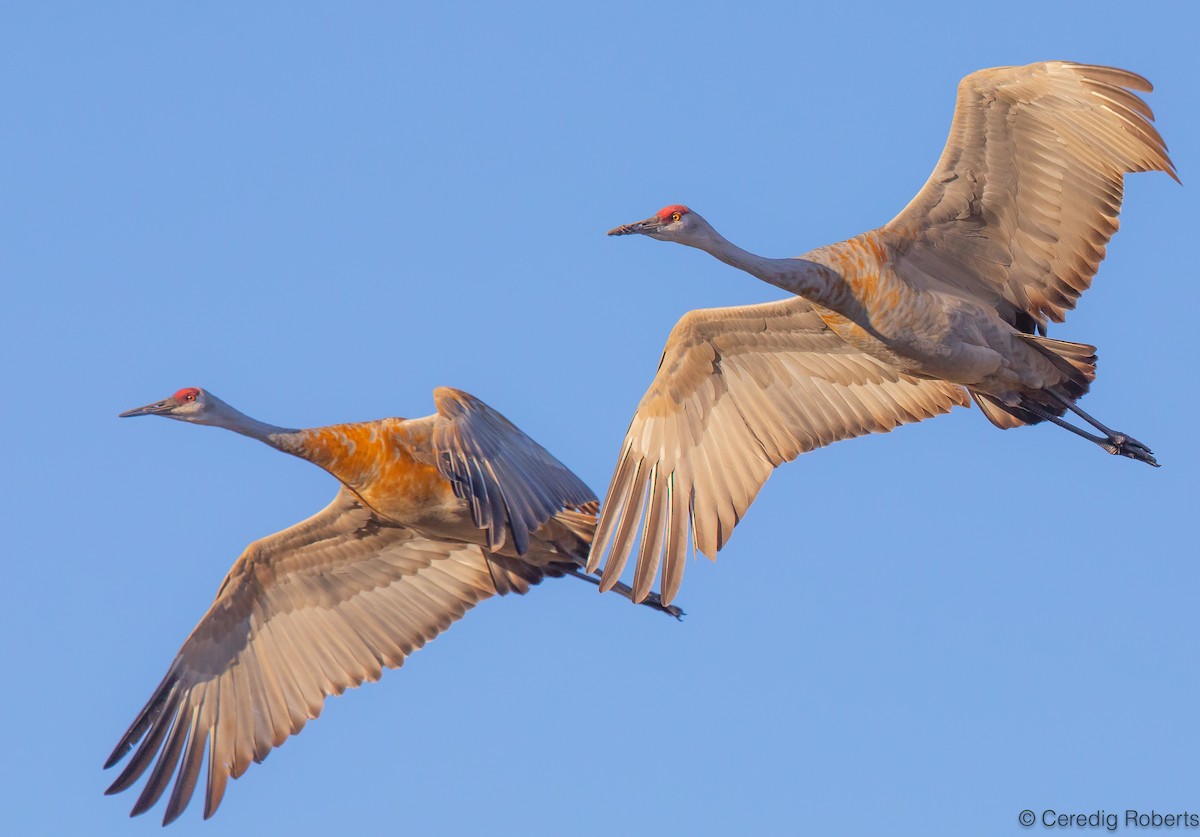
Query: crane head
column 188, row 404
column 671, row 223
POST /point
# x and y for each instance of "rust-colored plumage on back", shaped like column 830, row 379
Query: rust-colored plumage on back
column 376, row 459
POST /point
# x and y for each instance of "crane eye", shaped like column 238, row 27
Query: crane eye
column 191, row 396
column 675, row 216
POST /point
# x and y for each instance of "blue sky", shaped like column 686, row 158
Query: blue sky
column 322, row 213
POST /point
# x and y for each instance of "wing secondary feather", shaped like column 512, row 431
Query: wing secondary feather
column 303, row 614
column 738, row 392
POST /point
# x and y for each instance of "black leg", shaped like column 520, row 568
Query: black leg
column 1118, row 444
column 653, row 600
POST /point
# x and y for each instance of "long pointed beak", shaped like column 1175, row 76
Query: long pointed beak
column 650, row 225
column 157, row 408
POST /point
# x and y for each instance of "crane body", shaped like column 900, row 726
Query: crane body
column 930, row 332
column 433, row 515
column 949, row 301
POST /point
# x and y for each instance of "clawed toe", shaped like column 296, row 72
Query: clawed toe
column 1116, row 443
column 655, row 601
column 1121, row 445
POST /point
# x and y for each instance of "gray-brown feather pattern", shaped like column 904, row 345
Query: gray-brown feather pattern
column 512, row 482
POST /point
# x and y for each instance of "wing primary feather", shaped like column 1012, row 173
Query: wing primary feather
column 145, row 719
column 160, row 775
column 218, row 771
column 677, row 541
column 189, row 768
column 156, row 729
column 652, row 536
column 622, row 544
column 615, row 501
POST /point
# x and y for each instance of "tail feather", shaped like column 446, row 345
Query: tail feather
column 580, row 523
column 1076, row 361
column 559, row 547
column 563, row 542
column 1004, row 417
column 1077, row 364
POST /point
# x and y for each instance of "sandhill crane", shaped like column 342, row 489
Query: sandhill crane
column 433, row 515
column 896, row 325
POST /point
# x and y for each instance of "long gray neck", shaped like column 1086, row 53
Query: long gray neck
column 815, row 282
column 221, row 414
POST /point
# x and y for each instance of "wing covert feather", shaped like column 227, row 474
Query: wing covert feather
column 512, row 483
column 1025, row 197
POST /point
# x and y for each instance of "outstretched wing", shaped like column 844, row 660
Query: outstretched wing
column 511, row 482
column 738, row 392
column 305, row 613
column 1026, row 194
